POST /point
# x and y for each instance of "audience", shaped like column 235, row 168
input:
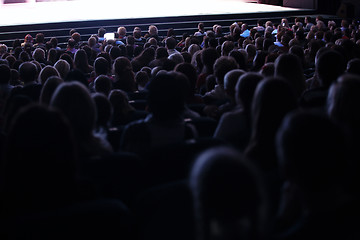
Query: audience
column 260, row 125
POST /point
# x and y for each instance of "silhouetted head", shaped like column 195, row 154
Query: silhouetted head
column 240, row 58
column 81, row 60
column 167, row 93
column 230, row 80
column 190, row 72
column 63, row 67
column 311, row 152
column 141, row 79
column 103, row 84
column 273, row 99
column 49, row 88
column 353, row 66
column 76, row 75
column 104, row 110
column 329, row 66
column 5, row 74
column 245, row 89
column 120, row 104
column 170, row 43
column 161, row 52
column 223, row 65
column 40, row 161
column 101, row 66
column 47, row 72
column 208, row 58
column 229, row 201
column 74, row 100
column 344, row 101
column 28, row 72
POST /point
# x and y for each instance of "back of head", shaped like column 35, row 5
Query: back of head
column 120, row 103
column 47, row 72
column 121, row 65
column 76, row 36
column 310, row 150
column 228, row 196
column 5, row 74
column 92, row 41
column 167, row 93
column 329, row 66
column 153, row 30
column 63, row 67
column 230, row 80
column 101, row 32
column 121, row 31
column 49, row 88
column 3, row 49
column 213, row 42
column 141, row 79
column 251, row 50
column 11, row 60
column 353, row 66
column 259, row 60
column 187, row 56
column 28, row 72
column 71, row 43
column 81, row 59
column 208, row 57
column 193, row 48
column 344, row 102
column 103, row 109
column 289, row 67
column 273, row 99
column 298, row 51
column 101, row 66
column 40, row 158
column 223, row 65
column 68, row 58
column 39, row 38
column 240, row 57
column 74, row 100
column 103, row 84
column 147, row 55
column 190, row 72
column 161, row 52
column 76, row 75
column 268, row 70
column 115, row 52
column 170, row 43
column 226, row 47
column 177, row 58
column 245, row 89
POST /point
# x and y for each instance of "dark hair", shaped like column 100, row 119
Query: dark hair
column 40, row 38
column 101, row 66
column 167, row 93
column 170, row 43
column 101, row 32
column 329, row 66
column 28, row 71
column 103, row 84
column 103, row 110
column 5, row 74
column 319, row 160
column 228, row 189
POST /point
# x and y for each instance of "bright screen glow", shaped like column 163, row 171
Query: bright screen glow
column 49, row 11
